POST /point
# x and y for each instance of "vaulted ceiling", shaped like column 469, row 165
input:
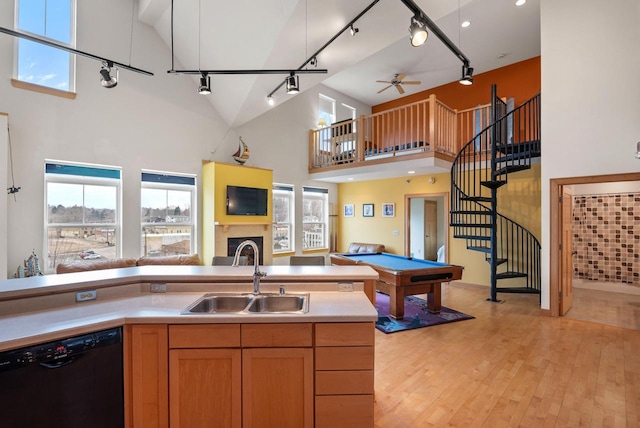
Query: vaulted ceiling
column 283, row 34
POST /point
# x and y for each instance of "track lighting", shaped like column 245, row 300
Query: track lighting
column 313, row 62
column 106, row 80
column 293, row 84
column 353, row 30
column 467, row 75
column 418, row 31
column 205, row 84
column 270, row 100
column 638, row 151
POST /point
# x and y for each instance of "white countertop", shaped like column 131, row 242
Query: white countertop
column 127, row 301
column 48, row 284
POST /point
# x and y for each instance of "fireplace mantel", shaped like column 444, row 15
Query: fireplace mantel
column 226, row 226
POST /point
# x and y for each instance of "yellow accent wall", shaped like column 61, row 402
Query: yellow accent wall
column 519, row 200
column 216, row 177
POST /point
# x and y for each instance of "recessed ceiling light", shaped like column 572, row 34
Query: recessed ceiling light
column 520, row 2
column 465, row 24
column 350, row 178
column 411, row 172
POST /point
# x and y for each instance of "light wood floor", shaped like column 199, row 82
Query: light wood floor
column 508, row 367
column 605, row 307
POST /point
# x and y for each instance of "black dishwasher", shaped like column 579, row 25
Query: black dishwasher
column 67, row 383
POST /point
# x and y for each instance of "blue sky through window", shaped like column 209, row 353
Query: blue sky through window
column 37, row 63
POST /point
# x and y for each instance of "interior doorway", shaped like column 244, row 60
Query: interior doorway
column 426, row 225
column 562, row 251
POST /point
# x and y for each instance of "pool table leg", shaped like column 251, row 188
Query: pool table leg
column 434, row 299
column 396, row 311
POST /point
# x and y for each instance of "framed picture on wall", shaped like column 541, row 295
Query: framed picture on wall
column 388, row 209
column 348, row 210
column 367, row 210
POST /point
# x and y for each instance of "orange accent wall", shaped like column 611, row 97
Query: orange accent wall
column 520, row 81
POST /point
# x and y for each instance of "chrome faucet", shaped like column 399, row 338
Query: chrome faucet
column 256, row 260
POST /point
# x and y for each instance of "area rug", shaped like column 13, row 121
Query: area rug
column 416, row 315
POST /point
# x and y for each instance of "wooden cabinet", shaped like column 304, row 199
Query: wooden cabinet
column 277, row 363
column 254, row 375
column 205, row 378
column 297, row 375
column 146, row 371
column 344, row 357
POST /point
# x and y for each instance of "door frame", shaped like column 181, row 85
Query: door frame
column 555, row 227
column 407, row 219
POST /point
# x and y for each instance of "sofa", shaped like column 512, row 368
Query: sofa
column 359, row 247
column 99, row 264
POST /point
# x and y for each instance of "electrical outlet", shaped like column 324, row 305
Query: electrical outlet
column 345, row 286
column 83, row 296
column 158, row 287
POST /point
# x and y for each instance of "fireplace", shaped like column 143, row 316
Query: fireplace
column 232, row 245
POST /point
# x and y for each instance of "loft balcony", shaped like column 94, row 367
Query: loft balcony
column 424, row 136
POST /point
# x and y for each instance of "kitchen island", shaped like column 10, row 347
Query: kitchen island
column 256, row 359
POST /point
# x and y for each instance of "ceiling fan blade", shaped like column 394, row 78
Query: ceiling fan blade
column 384, row 89
column 383, row 81
column 411, row 82
column 401, row 76
column 399, row 88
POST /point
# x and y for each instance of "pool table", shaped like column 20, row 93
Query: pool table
column 404, row 276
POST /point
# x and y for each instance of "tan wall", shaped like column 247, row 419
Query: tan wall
column 518, row 200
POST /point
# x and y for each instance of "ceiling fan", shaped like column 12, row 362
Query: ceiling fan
column 398, row 81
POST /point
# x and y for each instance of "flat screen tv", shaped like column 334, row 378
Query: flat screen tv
column 246, row 201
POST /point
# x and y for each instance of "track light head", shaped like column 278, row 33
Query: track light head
column 106, row 79
column 270, row 100
column 314, row 61
column 418, row 31
column 205, row 84
column 467, row 75
column 353, row 30
column 293, row 84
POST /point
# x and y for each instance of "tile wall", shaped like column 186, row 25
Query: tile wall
column 606, row 237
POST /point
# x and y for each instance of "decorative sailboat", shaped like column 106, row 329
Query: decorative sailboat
column 242, row 155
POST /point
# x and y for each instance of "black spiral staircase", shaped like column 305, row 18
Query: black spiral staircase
column 482, row 167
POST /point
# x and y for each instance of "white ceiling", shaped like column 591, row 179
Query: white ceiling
column 283, row 34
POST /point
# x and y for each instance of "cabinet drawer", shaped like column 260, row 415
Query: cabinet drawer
column 345, row 358
column 344, row 411
column 345, row 334
column 204, row 336
column 344, row 382
column 276, row 335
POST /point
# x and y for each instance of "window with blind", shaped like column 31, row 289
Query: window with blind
column 167, row 207
column 315, row 218
column 283, row 216
column 83, row 212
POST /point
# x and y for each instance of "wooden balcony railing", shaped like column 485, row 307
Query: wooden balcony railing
column 419, row 129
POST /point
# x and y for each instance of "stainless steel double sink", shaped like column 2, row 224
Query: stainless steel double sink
column 227, row 303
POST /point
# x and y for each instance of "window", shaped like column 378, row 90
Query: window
column 326, row 111
column 52, row 20
column 315, row 212
column 83, row 214
column 352, row 111
column 283, row 215
column 167, row 203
